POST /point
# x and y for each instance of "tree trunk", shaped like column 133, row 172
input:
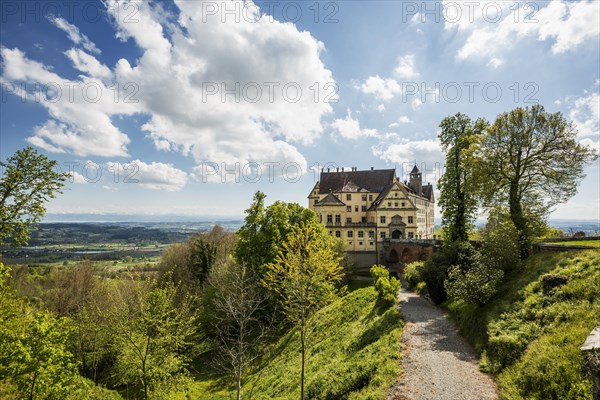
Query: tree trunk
column 302, row 347
column 32, row 386
column 516, row 216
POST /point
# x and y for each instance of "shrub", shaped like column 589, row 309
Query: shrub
column 412, row 274
column 386, row 286
column 435, row 270
column 475, row 285
column 500, row 245
column 551, row 281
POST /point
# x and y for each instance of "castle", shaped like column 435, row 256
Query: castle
column 369, row 209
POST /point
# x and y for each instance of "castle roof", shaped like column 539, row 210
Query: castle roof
column 356, row 181
column 415, row 170
column 330, row 200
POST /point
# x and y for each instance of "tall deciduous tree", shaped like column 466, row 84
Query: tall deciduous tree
column 530, row 161
column 150, row 335
column 304, row 277
column 458, row 200
column 266, row 229
column 29, row 180
column 237, row 303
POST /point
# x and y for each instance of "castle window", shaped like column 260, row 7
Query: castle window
column 382, row 219
column 396, row 204
column 389, row 203
column 360, row 243
column 329, row 218
column 395, row 194
column 410, row 219
column 348, row 197
column 348, row 208
column 316, row 201
column 382, row 235
column 363, row 220
column 370, row 243
column 355, row 208
column 361, row 234
column 320, row 218
column 338, row 234
column 364, row 197
column 402, row 204
column 410, row 235
column 350, row 234
column 364, row 208
column 370, row 197
column 338, row 218
column 371, row 234
column 349, row 220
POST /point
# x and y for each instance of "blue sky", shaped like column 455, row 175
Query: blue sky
column 142, row 101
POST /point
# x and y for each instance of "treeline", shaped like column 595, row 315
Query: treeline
column 215, row 306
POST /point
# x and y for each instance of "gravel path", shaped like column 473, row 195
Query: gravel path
column 438, row 363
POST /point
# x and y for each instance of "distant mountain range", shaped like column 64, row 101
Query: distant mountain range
column 566, row 225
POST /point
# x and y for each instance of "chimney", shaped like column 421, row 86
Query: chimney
column 337, row 169
column 342, row 169
column 327, row 169
column 371, row 168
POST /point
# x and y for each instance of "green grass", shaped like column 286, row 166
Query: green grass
column 590, row 243
column 531, row 338
column 354, row 354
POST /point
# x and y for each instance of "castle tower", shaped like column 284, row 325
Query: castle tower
column 416, row 181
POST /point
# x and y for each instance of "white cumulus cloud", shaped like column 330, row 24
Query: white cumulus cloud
column 394, row 149
column 156, row 175
column 493, row 28
column 183, row 84
column 349, row 128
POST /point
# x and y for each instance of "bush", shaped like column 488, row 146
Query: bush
column 500, row 245
column 475, row 285
column 551, row 281
column 412, row 274
column 435, row 270
column 386, row 286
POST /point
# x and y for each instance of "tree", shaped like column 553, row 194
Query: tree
column 209, row 248
column 304, row 277
column 34, row 359
column 265, row 230
column 151, row 333
column 236, row 303
column 529, row 161
column 28, row 182
column 458, row 199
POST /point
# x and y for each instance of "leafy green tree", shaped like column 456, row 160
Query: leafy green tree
column 499, row 241
column 28, row 182
column 530, row 160
column 151, row 332
column 459, row 136
column 34, row 359
column 304, row 277
column 266, row 229
column 209, row 248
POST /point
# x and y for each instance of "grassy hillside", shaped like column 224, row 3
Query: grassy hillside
column 354, row 355
column 530, row 335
